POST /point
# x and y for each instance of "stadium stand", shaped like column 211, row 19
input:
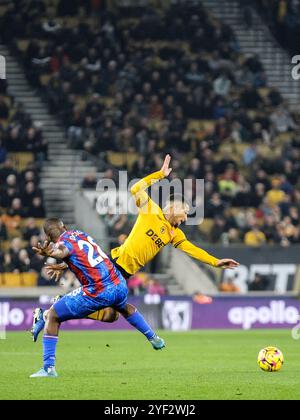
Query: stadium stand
column 283, row 18
column 127, row 91
column 22, row 151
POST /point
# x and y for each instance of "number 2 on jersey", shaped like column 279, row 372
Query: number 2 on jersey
column 90, row 245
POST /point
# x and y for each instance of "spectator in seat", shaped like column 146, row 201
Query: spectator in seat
column 8, row 265
column 275, row 195
column 228, row 286
column 36, row 209
column 282, row 120
column 222, row 85
column 89, row 181
column 218, row 229
column 12, row 217
column 29, row 193
column 3, row 152
column 14, row 250
column 260, row 283
column 136, row 284
column 31, row 230
column 23, row 264
column 3, row 231
column 255, row 237
column 36, row 263
column 4, row 110
column 215, row 206
column 154, row 288
column 16, row 208
column 9, row 191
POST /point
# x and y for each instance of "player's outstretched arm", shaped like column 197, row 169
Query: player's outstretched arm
column 138, row 190
column 227, row 263
column 181, row 242
column 51, row 250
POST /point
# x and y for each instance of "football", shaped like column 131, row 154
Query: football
column 270, row 359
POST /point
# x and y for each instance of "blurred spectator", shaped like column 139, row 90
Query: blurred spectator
column 154, row 288
column 255, row 237
column 228, row 286
column 136, row 284
column 3, row 231
column 36, row 209
column 89, row 181
column 275, row 195
column 259, row 283
column 201, row 299
column 3, row 152
column 30, row 229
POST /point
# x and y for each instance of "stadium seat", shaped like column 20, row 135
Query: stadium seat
column 206, row 226
column 21, row 159
column 18, row 280
column 23, row 44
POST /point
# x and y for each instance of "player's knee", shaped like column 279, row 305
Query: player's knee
column 52, row 316
column 110, row 315
column 46, row 315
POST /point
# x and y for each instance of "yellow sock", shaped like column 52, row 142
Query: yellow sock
column 98, row 316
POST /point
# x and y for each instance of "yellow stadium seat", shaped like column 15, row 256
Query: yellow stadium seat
column 2, row 9
column 4, row 123
column 264, row 91
column 44, row 79
column 21, row 159
column 194, row 125
column 206, row 226
column 208, row 124
column 18, row 279
column 39, row 222
column 4, row 246
column 131, row 158
column 8, row 101
column 240, row 148
column 116, row 159
column 22, row 44
column 284, row 137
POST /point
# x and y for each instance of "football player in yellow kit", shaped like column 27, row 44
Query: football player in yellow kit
column 153, row 230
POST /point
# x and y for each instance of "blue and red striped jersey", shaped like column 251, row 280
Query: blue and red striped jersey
column 88, row 262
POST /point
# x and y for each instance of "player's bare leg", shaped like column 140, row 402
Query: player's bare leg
column 39, row 319
column 133, row 316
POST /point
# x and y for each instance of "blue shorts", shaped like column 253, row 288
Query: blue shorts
column 78, row 305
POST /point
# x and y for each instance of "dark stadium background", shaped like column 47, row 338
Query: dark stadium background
column 94, row 87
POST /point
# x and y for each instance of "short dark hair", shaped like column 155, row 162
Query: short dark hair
column 53, row 224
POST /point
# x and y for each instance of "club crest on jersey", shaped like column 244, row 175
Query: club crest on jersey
column 162, row 230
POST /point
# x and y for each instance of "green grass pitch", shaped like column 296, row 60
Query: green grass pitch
column 122, row 365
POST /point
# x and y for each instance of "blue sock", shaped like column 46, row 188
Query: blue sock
column 138, row 321
column 49, row 346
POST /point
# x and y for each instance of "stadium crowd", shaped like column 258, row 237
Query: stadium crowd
column 21, row 199
column 283, row 17
column 140, row 81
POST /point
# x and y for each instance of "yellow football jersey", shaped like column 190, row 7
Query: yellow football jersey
column 152, row 232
